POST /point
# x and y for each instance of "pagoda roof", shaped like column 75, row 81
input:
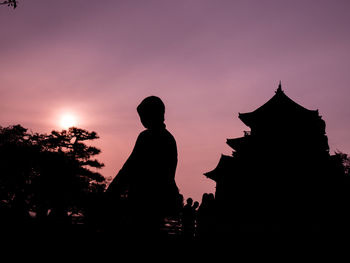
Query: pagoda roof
column 236, row 143
column 224, row 163
column 279, row 104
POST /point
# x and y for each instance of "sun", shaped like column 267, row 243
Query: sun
column 67, row 121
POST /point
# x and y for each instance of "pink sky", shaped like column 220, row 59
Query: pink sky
column 207, row 60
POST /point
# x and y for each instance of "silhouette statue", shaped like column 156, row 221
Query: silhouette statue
column 147, row 178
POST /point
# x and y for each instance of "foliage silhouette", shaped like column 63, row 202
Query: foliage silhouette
column 12, row 3
column 50, row 175
column 344, row 160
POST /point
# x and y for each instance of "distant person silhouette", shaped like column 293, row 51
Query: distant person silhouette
column 188, row 219
column 149, row 172
column 195, row 206
column 195, row 209
column 206, row 217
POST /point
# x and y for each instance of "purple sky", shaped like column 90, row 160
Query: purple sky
column 207, row 60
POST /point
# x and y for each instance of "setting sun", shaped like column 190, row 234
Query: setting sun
column 67, row 121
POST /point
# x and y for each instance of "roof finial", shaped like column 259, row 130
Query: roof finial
column 279, row 89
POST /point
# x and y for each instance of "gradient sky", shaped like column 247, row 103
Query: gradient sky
column 207, row 59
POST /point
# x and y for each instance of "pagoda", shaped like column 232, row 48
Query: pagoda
column 279, row 170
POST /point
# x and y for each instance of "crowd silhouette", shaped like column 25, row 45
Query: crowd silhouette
column 46, row 186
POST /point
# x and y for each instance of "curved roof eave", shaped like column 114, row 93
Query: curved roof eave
column 272, row 105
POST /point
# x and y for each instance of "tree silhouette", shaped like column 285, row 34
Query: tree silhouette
column 12, row 3
column 17, row 155
column 344, row 159
column 49, row 174
column 67, row 179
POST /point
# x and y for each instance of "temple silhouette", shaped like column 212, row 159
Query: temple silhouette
column 281, row 175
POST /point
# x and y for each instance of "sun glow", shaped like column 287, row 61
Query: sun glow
column 67, row 121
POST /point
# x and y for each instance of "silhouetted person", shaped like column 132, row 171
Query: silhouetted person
column 148, row 175
column 195, row 216
column 195, row 207
column 188, row 218
column 206, row 216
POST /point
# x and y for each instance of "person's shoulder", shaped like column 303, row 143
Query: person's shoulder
column 169, row 136
column 168, row 133
column 144, row 135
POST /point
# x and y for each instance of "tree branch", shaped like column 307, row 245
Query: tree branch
column 10, row 3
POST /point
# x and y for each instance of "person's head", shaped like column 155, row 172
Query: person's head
column 189, row 201
column 151, row 111
column 205, row 197
column 195, row 204
column 211, row 196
